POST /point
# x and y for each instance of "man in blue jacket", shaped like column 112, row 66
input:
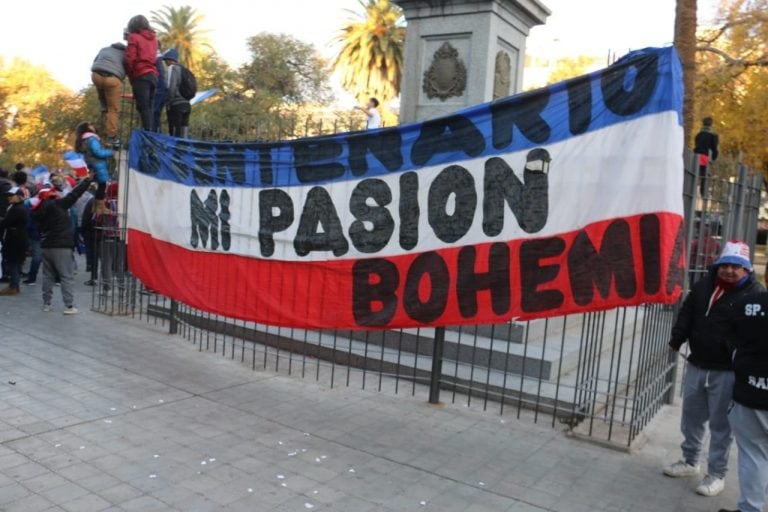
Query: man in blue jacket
column 708, row 382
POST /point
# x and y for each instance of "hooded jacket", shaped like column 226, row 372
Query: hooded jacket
column 749, row 341
column 706, row 332
column 111, row 60
column 53, row 220
column 96, row 156
column 174, row 81
column 141, row 54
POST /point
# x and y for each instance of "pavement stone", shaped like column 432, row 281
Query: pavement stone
column 113, row 414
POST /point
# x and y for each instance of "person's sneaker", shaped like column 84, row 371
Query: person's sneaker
column 711, row 486
column 90, row 282
column 29, row 283
column 47, row 308
column 680, row 469
column 7, row 292
column 726, row 510
column 71, row 310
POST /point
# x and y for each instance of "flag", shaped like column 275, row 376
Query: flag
column 77, row 162
column 40, row 174
column 567, row 199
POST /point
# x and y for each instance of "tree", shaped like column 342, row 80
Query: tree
column 39, row 114
column 685, row 42
column 570, row 67
column 370, row 61
column 180, row 28
column 284, row 70
column 732, row 81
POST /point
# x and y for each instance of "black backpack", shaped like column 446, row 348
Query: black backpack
column 187, row 83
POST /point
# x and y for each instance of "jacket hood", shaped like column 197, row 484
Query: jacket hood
column 147, row 34
column 118, row 46
column 88, row 135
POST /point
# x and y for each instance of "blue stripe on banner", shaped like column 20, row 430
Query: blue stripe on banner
column 642, row 83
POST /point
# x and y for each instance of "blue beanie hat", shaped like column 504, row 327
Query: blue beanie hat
column 171, row 54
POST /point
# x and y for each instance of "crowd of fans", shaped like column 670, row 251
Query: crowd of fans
column 50, row 221
column 47, row 219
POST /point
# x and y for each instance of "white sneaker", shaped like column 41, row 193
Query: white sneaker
column 711, row 486
column 71, row 310
column 47, row 308
column 680, row 469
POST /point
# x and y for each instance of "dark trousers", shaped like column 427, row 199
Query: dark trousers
column 88, row 241
column 37, row 259
column 143, row 95
column 178, row 119
column 14, row 263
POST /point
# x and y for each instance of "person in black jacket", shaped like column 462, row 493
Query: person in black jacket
column 705, row 146
column 749, row 414
column 14, row 228
column 709, row 378
column 5, row 186
column 51, row 214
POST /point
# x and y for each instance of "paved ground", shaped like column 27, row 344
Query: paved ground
column 100, row 413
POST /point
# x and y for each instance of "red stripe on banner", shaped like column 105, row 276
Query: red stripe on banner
column 616, row 262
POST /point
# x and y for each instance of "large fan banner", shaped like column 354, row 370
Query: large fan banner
column 561, row 200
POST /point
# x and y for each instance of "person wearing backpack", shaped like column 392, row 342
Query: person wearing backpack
column 182, row 87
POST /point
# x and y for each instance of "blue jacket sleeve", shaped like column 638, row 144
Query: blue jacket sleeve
column 97, row 150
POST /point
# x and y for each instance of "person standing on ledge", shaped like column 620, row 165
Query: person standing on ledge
column 705, row 147
column 371, row 110
column 709, row 378
column 141, row 66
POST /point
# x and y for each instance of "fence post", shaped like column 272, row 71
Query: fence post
column 173, row 323
column 437, row 365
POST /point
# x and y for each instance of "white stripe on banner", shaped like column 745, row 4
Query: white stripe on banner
column 618, row 171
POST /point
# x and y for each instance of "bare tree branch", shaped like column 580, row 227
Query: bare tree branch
column 733, row 61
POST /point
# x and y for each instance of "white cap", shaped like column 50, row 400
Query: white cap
column 735, row 252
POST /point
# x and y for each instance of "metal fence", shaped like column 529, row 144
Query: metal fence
column 602, row 376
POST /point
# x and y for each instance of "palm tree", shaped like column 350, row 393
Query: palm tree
column 179, row 28
column 370, row 61
column 685, row 42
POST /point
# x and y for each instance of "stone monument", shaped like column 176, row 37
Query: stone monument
column 463, row 52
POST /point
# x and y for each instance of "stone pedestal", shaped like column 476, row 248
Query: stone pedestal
column 463, row 52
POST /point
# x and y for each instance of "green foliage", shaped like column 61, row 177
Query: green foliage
column 180, row 28
column 570, row 67
column 732, row 80
column 370, row 61
column 35, row 112
column 284, row 70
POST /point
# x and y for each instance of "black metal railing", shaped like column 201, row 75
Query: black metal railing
column 602, row 376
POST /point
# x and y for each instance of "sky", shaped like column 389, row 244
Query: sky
column 65, row 36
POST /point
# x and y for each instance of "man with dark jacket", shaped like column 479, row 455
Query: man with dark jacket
column 5, row 186
column 749, row 415
column 705, row 147
column 51, row 214
column 14, row 229
column 708, row 382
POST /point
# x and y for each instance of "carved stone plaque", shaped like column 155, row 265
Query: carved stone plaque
column 501, row 75
column 447, row 75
